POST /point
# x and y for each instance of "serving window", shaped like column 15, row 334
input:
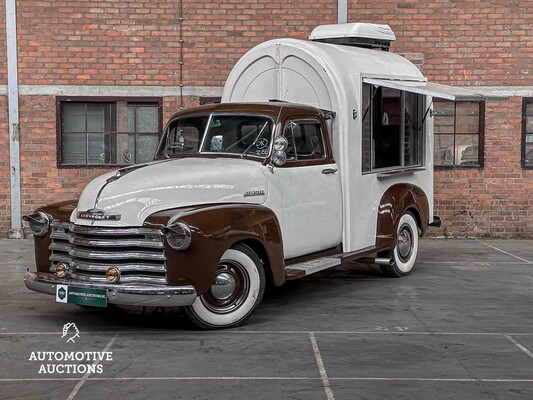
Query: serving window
column 393, row 125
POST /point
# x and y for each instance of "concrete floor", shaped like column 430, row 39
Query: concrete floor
column 459, row 327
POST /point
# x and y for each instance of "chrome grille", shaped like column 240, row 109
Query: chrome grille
column 138, row 253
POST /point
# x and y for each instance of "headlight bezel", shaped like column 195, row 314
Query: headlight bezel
column 40, row 218
column 178, row 228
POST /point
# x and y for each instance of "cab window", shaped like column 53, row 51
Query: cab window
column 305, row 140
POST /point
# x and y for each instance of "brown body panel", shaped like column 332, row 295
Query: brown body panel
column 216, row 228
column 394, row 203
column 60, row 211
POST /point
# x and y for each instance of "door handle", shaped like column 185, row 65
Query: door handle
column 329, row 171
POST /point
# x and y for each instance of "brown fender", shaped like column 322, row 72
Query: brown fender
column 214, row 229
column 395, row 202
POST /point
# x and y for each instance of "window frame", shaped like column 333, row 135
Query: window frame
column 525, row 102
column 327, row 159
column 100, row 99
column 480, row 134
column 422, row 164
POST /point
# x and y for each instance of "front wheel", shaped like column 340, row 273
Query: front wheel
column 406, row 249
column 237, row 289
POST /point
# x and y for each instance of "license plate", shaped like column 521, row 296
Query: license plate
column 82, row 296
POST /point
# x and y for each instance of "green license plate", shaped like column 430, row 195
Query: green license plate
column 82, row 296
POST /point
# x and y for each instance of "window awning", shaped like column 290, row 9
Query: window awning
column 454, row 93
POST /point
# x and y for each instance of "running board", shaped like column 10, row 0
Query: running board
column 295, row 271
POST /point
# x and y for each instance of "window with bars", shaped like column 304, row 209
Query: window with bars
column 527, row 133
column 110, row 131
column 459, row 131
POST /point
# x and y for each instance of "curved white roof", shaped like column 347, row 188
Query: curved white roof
column 314, row 73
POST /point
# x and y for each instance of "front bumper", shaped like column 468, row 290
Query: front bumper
column 135, row 295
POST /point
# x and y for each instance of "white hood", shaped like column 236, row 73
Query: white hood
column 172, row 183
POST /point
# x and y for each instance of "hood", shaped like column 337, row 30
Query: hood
column 138, row 191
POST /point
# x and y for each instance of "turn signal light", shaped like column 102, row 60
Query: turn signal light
column 112, row 275
column 61, row 270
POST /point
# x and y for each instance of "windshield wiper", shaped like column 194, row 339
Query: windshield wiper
column 255, row 140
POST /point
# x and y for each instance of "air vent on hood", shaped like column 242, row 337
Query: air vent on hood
column 357, row 34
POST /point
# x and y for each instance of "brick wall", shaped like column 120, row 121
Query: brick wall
column 136, row 43
column 496, row 201
column 464, row 42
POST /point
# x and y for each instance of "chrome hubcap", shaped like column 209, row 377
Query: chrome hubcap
column 224, row 286
column 405, row 243
column 229, row 290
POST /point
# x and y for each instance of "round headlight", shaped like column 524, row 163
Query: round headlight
column 39, row 223
column 178, row 235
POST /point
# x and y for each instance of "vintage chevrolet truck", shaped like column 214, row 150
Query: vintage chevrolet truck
column 253, row 192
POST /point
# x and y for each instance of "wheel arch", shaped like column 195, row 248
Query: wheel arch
column 216, row 228
column 396, row 200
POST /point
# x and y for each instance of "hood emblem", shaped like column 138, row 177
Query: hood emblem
column 98, row 215
column 253, row 193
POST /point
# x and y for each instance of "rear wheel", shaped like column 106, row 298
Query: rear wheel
column 237, row 289
column 405, row 251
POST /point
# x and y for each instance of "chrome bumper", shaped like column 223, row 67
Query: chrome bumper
column 135, row 295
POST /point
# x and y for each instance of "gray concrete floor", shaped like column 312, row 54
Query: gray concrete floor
column 459, row 327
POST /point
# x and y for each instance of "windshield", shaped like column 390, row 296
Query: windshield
column 244, row 135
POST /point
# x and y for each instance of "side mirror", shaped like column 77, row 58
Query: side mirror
column 279, row 157
column 280, row 143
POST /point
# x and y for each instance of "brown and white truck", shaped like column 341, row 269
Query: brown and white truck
column 320, row 153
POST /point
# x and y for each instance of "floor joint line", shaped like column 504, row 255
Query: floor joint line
column 321, row 368
column 88, row 373
column 521, row 347
column 506, row 252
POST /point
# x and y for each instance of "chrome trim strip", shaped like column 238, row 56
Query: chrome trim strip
column 60, row 235
column 58, row 224
column 137, row 295
column 106, row 255
column 123, row 279
column 137, row 267
column 60, row 246
column 60, row 257
column 92, row 230
column 75, row 240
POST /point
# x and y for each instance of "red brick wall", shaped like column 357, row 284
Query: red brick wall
column 136, row 42
column 464, row 42
column 496, row 201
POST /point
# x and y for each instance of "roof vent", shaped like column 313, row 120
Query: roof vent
column 357, row 34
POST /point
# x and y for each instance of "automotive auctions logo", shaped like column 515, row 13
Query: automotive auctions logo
column 66, row 328
column 71, row 362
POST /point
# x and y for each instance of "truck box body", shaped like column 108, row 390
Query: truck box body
column 330, row 77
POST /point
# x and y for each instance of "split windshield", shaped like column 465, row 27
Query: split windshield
column 244, row 135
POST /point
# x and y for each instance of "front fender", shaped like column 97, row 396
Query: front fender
column 214, row 229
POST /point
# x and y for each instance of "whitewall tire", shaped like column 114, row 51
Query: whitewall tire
column 405, row 251
column 237, row 289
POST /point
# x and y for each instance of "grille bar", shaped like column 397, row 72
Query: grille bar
column 96, row 267
column 109, row 242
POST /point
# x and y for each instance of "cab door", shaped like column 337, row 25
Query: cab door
column 310, row 190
